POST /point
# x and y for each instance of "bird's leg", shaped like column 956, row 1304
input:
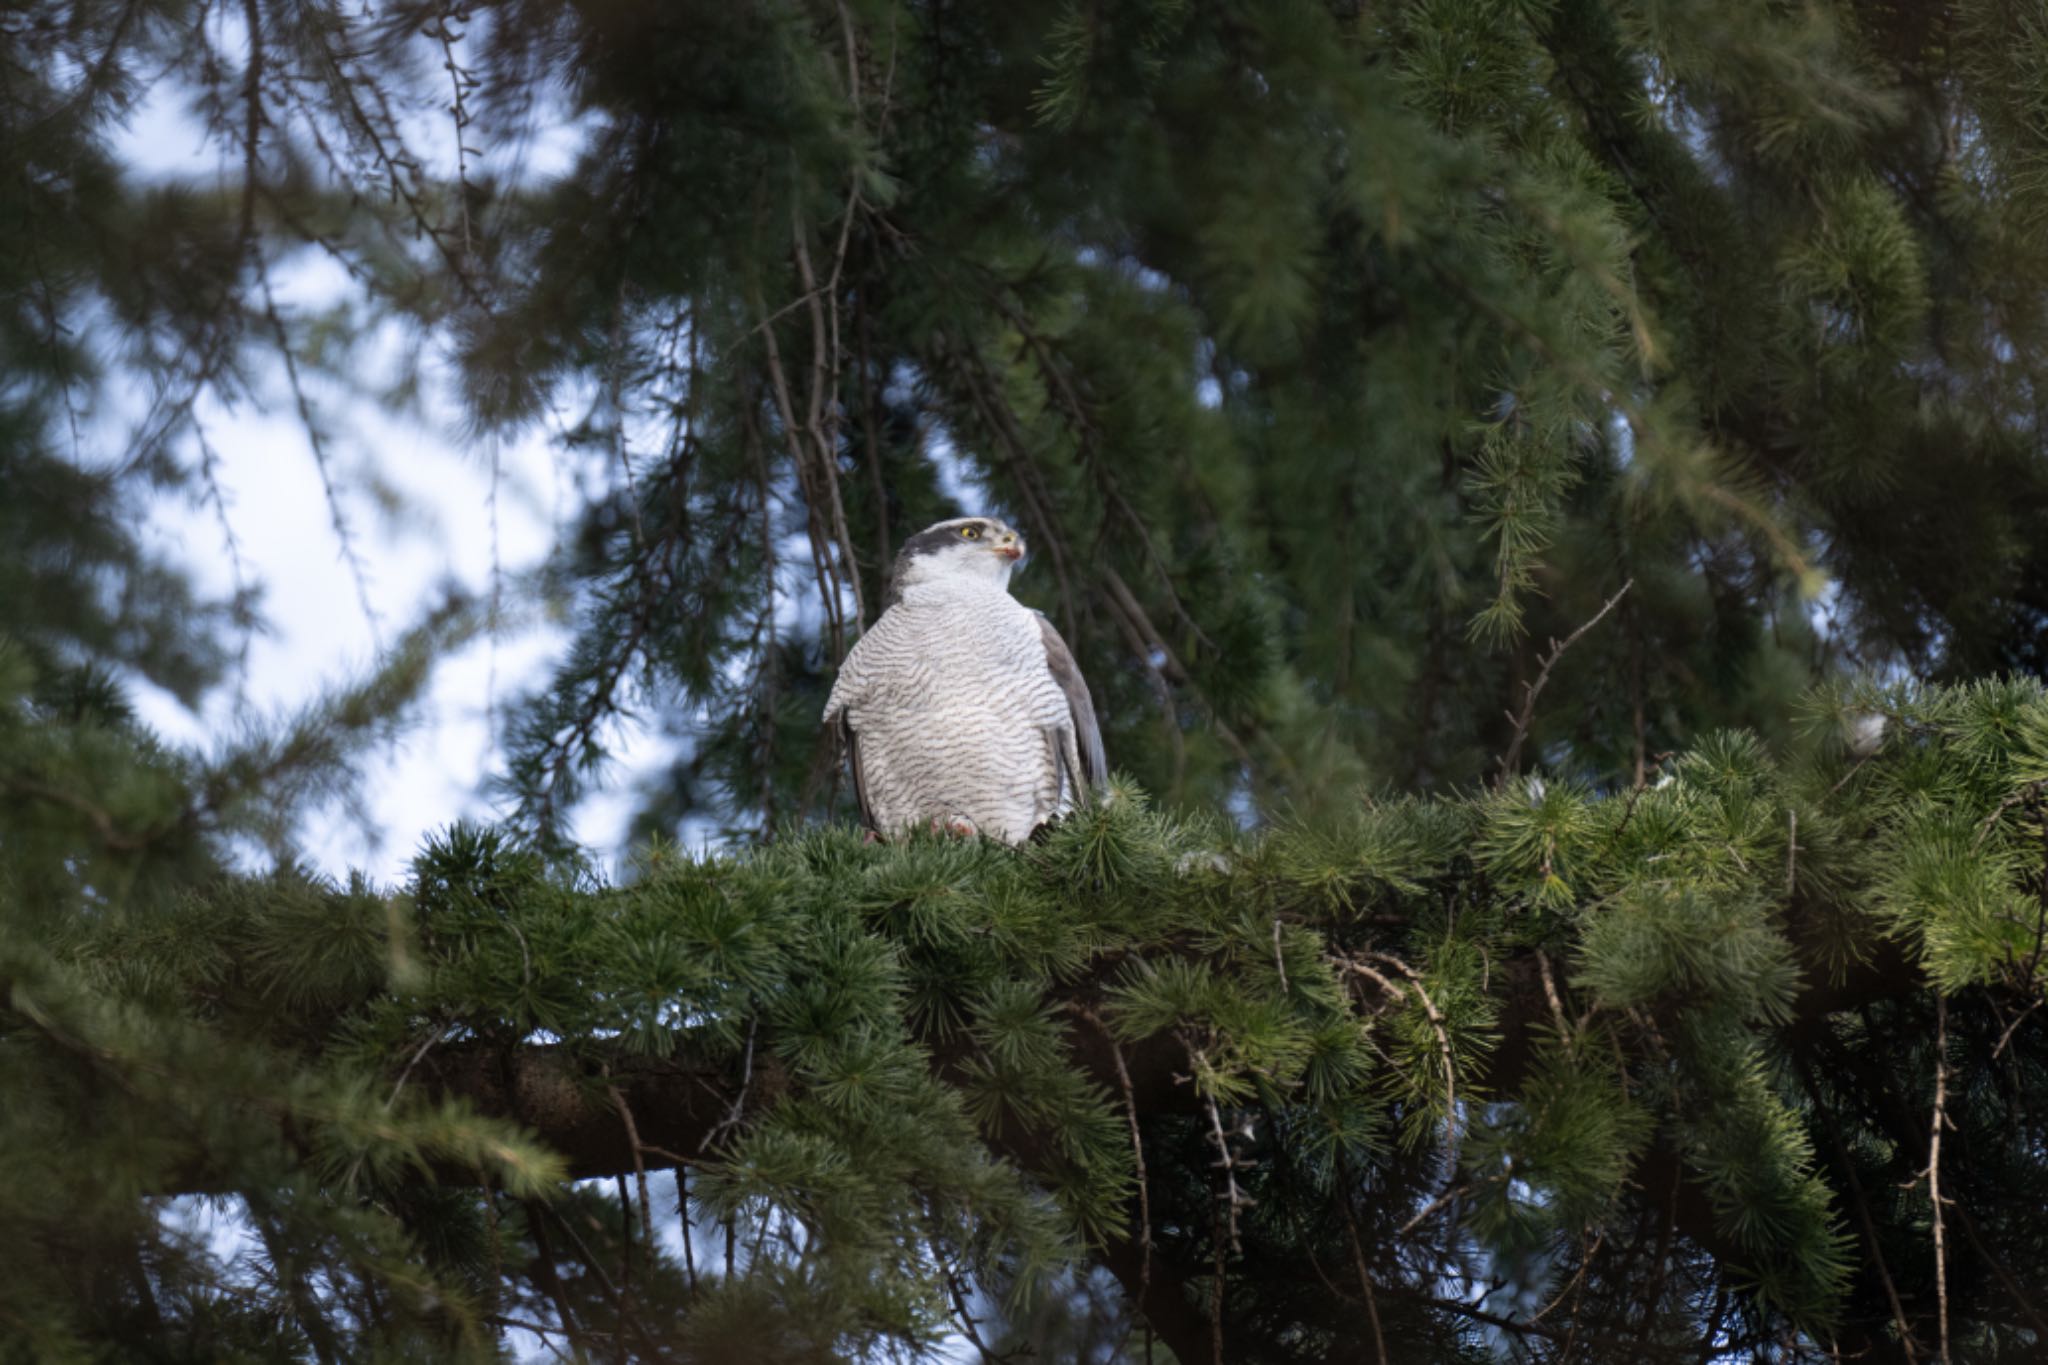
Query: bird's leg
column 959, row 826
column 868, row 836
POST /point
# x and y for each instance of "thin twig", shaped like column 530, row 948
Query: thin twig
column 739, row 1101
column 547, row 1276
column 318, row 445
column 625, row 1310
column 1431, row 1207
column 420, row 1052
column 823, row 425
column 2024, row 794
column 2020, row 1018
column 950, row 1274
column 683, row 1213
column 625, row 1238
column 460, row 82
column 1226, row 1158
column 639, row 1160
column 1791, row 851
column 1123, row 1076
column 822, row 556
column 1578, row 1279
column 1933, row 1171
column 1372, row 1307
column 252, row 95
column 1854, row 768
column 1443, row 1039
column 1550, row 993
column 1532, row 690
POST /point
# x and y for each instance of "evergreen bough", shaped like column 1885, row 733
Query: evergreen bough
column 1488, row 1037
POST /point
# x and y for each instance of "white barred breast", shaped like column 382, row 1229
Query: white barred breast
column 955, row 713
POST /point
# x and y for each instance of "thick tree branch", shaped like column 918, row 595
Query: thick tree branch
column 679, row 1103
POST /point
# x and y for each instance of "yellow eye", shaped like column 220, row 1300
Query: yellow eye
column 971, row 532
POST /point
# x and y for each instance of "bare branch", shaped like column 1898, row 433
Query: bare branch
column 1532, row 690
column 1933, row 1171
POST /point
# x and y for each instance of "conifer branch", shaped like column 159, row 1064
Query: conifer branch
column 1061, row 387
column 252, row 96
column 1423, row 1214
column 1000, row 424
column 1443, row 1041
column 317, row 443
column 331, row 70
column 822, row 417
column 815, row 494
column 2024, row 795
column 2005, row 1035
column 1227, row 1161
column 440, row 28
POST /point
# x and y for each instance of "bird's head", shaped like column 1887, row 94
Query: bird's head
column 966, row 549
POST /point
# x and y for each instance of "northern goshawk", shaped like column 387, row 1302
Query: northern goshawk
column 961, row 708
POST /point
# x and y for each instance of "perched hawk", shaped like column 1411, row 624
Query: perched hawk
column 961, row 707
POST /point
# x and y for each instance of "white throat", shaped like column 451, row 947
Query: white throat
column 960, row 571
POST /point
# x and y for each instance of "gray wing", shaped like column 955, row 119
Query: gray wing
column 850, row 743
column 1087, row 733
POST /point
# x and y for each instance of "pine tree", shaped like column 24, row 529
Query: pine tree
column 1550, row 500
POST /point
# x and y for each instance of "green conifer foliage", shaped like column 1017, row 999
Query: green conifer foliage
column 1402, row 401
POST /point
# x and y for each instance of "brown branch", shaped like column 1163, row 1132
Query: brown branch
column 1062, row 388
column 2018, row 1019
column 639, row 1160
column 1577, row 1281
column 1163, row 1300
column 1123, row 1077
column 1532, row 690
column 821, row 555
column 871, row 437
column 1933, row 1171
column 1226, row 1157
column 1443, row 1040
column 252, row 96
column 1550, row 995
column 2023, row 795
column 822, row 425
column 1372, row 1304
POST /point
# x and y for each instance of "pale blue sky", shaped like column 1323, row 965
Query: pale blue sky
column 438, row 529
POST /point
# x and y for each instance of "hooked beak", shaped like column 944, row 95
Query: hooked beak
column 1012, row 552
